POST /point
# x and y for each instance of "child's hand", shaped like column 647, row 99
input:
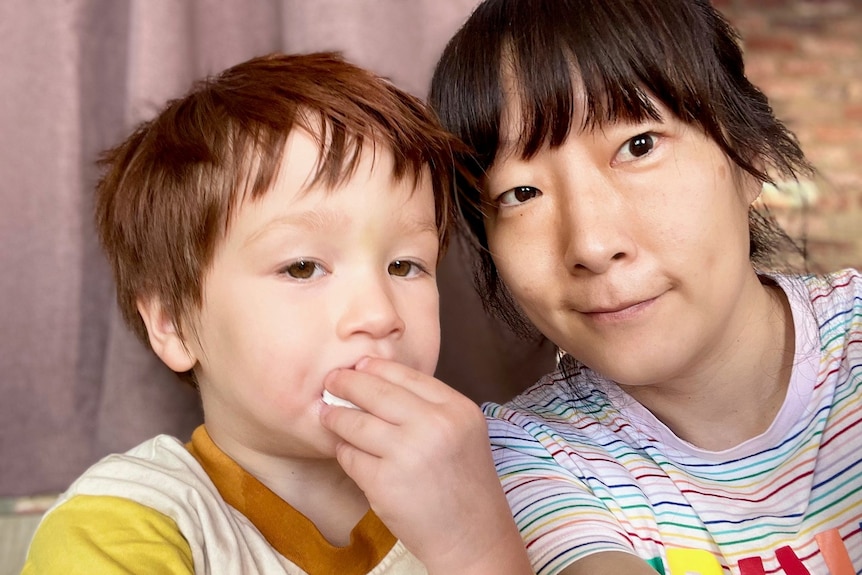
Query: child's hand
column 420, row 452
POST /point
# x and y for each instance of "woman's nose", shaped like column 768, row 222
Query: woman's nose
column 595, row 232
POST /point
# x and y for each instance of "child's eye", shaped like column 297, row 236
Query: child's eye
column 303, row 270
column 638, row 147
column 518, row 195
column 405, row 268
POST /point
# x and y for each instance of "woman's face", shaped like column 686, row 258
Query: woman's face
column 627, row 245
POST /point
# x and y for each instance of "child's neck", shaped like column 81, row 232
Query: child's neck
column 320, row 490
column 317, row 488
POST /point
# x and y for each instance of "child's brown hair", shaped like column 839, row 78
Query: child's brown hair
column 168, row 191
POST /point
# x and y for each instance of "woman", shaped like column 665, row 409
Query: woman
column 706, row 412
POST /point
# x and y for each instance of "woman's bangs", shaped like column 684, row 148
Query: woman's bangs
column 559, row 93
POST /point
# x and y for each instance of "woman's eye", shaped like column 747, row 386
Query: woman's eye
column 303, row 270
column 638, row 147
column 518, row 195
column 404, row 268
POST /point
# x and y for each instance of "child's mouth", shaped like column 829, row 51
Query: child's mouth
column 330, row 399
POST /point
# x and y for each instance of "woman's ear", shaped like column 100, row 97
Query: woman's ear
column 164, row 336
column 753, row 186
column 755, row 190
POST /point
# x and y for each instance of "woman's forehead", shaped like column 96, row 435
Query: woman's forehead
column 525, row 116
column 523, row 111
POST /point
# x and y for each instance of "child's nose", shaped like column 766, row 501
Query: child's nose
column 370, row 309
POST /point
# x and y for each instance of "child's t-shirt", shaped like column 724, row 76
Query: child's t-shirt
column 588, row 469
column 163, row 507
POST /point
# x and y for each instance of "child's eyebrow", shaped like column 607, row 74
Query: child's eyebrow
column 324, row 219
column 310, row 220
column 419, row 225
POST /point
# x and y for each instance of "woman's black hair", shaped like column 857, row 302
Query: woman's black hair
column 683, row 53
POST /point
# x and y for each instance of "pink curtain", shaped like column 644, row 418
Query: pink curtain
column 76, row 75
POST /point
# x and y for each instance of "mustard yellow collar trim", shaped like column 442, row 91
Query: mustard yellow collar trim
column 290, row 532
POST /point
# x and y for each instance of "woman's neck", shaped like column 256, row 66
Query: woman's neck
column 737, row 392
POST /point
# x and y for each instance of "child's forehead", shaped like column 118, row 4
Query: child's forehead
column 307, row 172
column 309, row 161
column 299, row 201
column 329, row 165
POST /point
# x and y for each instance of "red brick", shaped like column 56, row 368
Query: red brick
column 806, row 55
column 773, row 44
column 809, row 67
column 836, row 134
column 829, row 47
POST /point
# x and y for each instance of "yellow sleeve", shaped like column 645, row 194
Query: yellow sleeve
column 110, row 536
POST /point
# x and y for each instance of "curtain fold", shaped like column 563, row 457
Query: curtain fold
column 77, row 75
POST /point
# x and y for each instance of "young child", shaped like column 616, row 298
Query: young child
column 706, row 415
column 275, row 235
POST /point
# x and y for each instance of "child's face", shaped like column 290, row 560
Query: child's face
column 627, row 246
column 307, row 281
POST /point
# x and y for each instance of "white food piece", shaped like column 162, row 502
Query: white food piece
column 330, row 399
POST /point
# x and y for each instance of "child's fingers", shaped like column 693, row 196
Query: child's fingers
column 417, row 398
column 360, row 465
column 381, row 397
column 423, row 385
column 363, row 431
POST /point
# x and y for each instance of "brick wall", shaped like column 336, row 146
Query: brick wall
column 806, row 55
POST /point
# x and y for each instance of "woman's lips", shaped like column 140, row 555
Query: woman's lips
column 619, row 313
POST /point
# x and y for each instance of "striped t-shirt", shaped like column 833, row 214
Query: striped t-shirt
column 595, row 471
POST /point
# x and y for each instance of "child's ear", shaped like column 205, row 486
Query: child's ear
column 164, row 336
